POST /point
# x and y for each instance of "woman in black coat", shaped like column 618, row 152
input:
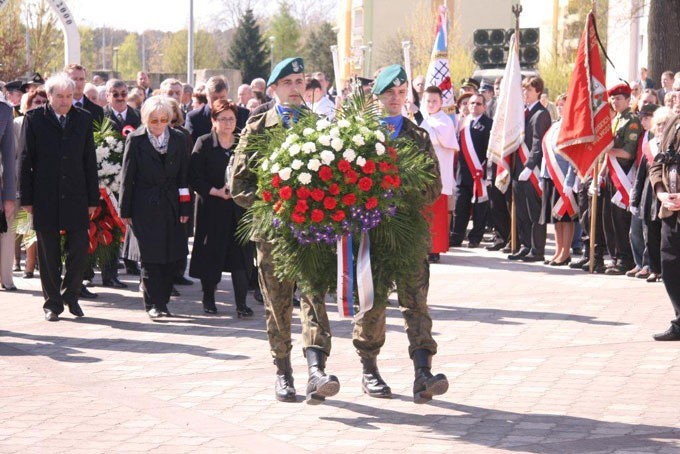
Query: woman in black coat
column 154, row 200
column 216, row 247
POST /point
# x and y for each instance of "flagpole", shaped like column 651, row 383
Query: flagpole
column 516, row 10
column 406, row 45
column 593, row 205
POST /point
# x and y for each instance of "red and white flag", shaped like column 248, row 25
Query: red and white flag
column 586, row 130
column 507, row 132
column 438, row 73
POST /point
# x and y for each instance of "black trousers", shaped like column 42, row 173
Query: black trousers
column 157, row 284
column 240, row 282
column 110, row 269
column 465, row 207
column 58, row 291
column 616, row 224
column 532, row 234
column 670, row 263
column 654, row 245
column 499, row 213
column 585, row 205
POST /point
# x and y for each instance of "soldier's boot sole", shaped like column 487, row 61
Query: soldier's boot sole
column 425, row 389
column 321, row 387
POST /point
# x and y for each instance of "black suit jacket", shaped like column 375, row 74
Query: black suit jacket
column 132, row 118
column 535, row 126
column 59, row 170
column 199, row 123
column 96, row 111
column 480, row 133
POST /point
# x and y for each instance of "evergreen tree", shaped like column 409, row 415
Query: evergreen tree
column 286, row 32
column 247, row 52
column 318, row 56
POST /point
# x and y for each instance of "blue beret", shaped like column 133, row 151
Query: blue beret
column 391, row 76
column 293, row 65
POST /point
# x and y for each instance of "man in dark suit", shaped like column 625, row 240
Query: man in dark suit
column 528, row 200
column 666, row 86
column 144, row 83
column 59, row 187
column 199, row 123
column 122, row 116
column 475, row 136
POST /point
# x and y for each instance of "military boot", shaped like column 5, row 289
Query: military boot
column 426, row 385
column 319, row 385
column 284, row 388
column 371, row 381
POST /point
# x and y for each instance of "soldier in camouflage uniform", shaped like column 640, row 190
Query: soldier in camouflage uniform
column 288, row 81
column 369, row 332
column 627, row 130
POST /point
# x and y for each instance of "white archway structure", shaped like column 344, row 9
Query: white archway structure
column 68, row 23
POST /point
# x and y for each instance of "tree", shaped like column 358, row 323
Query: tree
column 128, row 61
column 175, row 51
column 12, row 42
column 286, row 32
column 664, row 36
column 318, row 55
column 247, row 52
column 46, row 39
column 88, row 52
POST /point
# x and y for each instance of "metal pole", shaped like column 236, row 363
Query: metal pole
column 271, row 53
column 593, row 217
column 516, row 10
column 190, row 53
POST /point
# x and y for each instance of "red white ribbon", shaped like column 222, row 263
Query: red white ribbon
column 534, row 177
column 184, row 195
column 480, row 193
column 623, row 182
column 566, row 203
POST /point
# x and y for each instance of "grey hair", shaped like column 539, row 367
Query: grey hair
column 167, row 83
column 115, row 83
column 59, row 81
column 216, row 84
column 158, row 104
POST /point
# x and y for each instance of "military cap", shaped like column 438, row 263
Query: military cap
column 35, row 79
column 470, row 82
column 647, row 110
column 486, row 87
column 293, row 65
column 390, row 76
column 620, row 89
column 15, row 85
column 365, row 81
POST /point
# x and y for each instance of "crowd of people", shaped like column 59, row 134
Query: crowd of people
column 186, row 171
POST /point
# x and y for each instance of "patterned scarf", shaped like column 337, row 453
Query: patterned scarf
column 287, row 114
column 159, row 143
column 393, row 125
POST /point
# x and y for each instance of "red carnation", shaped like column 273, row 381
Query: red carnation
column 338, row 216
column 301, row 206
column 303, row 193
column 276, row 180
column 365, row 184
column 344, row 165
column 349, row 199
column 387, row 182
column 385, row 166
column 368, row 168
column 267, row 196
column 318, row 194
column 371, row 203
column 317, row 215
column 396, row 181
column 325, row 173
column 329, row 203
column 334, row 189
column 286, row 192
column 392, row 152
column 351, row 177
column 298, row 218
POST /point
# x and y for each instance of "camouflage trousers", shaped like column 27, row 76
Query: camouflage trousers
column 278, row 304
column 369, row 332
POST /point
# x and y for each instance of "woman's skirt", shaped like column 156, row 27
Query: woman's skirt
column 439, row 224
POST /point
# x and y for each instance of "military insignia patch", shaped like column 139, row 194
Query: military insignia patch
column 634, row 126
column 397, row 82
column 633, row 136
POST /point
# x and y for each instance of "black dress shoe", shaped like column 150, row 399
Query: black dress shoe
column 76, row 310
column 599, row 267
column 473, row 244
column 530, row 258
column 11, row 288
column 174, row 291
column 562, row 263
column 51, row 316
column 133, row 270
column 671, row 334
column 114, row 282
column 578, row 263
column 615, row 270
column 87, row 294
column 519, row 254
column 28, row 275
column 496, row 247
column 182, row 281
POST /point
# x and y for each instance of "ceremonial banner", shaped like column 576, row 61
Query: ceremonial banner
column 507, row 132
column 586, row 127
column 438, row 73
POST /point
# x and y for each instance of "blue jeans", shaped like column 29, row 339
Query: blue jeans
column 637, row 242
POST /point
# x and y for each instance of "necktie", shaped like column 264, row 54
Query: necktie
column 79, row 104
column 526, row 113
column 62, row 121
column 120, row 118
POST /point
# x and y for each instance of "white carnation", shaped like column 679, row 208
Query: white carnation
column 309, row 147
column 343, row 123
column 110, row 140
column 102, row 153
column 285, row 145
column 327, row 156
column 359, row 140
column 314, row 165
column 265, row 164
column 296, row 164
column 285, row 173
column 364, row 130
column 379, row 135
column 308, row 132
column 322, row 124
column 305, row 178
column 335, row 132
column 349, row 155
column 292, row 138
column 119, row 147
column 275, row 168
column 325, row 140
column 361, row 161
column 337, row 144
column 379, row 149
column 294, row 149
column 273, row 156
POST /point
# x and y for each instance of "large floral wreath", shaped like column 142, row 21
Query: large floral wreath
column 322, row 182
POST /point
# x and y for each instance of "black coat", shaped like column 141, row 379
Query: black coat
column 132, row 118
column 96, row 111
column 216, row 247
column 150, row 196
column 59, row 169
column 643, row 196
column 480, row 138
column 535, row 126
column 199, row 123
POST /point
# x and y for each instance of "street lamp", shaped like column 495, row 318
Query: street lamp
column 271, row 53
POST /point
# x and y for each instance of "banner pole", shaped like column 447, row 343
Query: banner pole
column 593, row 217
column 516, row 10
